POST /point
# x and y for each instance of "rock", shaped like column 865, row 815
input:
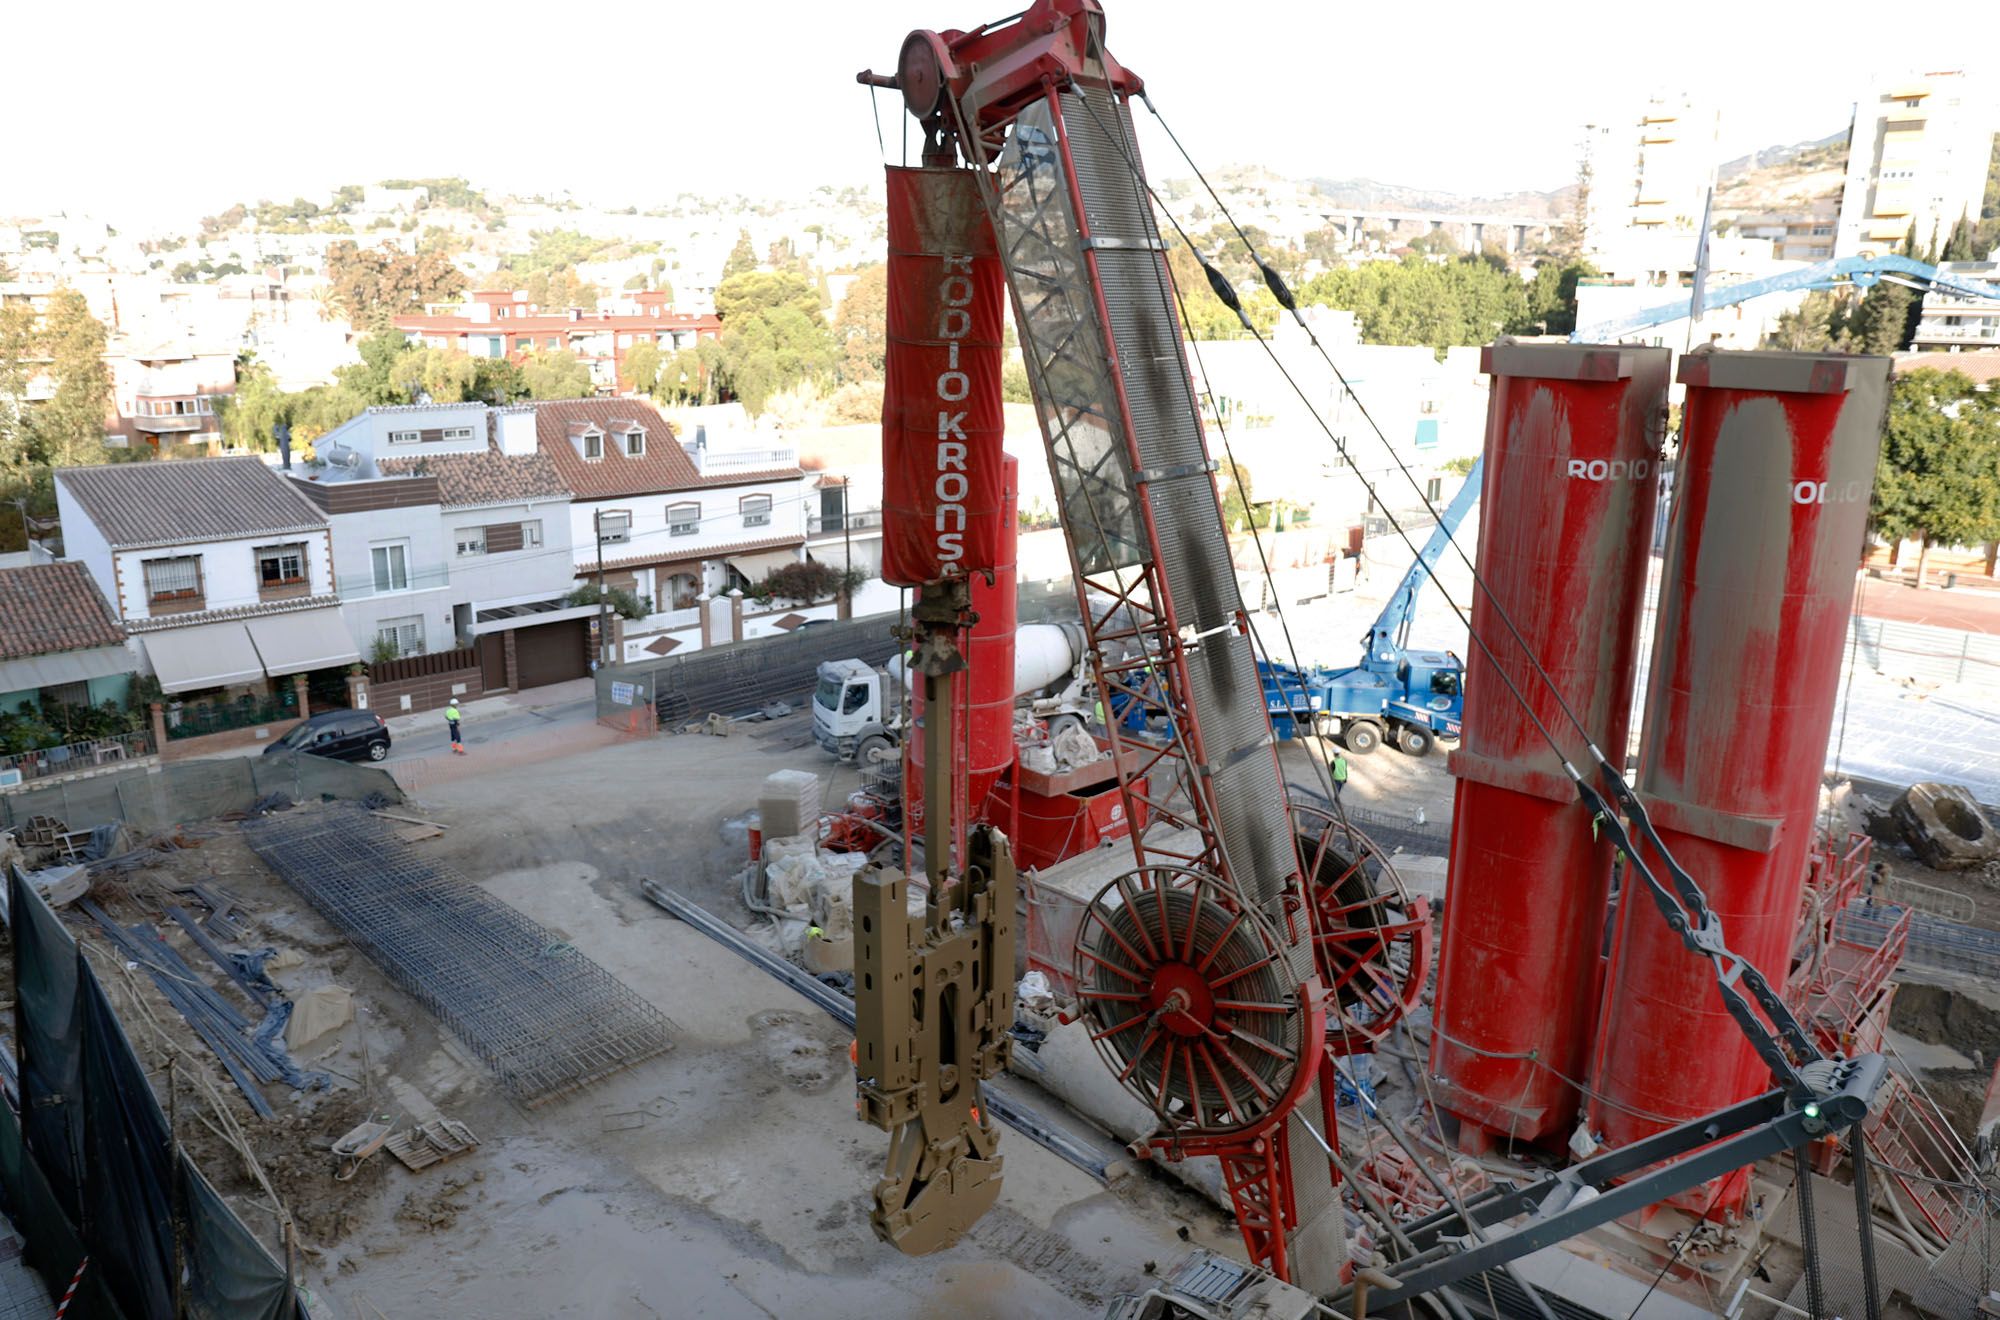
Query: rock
column 1946, row 826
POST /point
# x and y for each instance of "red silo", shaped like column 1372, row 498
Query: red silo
column 1566, row 513
column 1771, row 498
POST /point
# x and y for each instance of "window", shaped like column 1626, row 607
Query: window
column 682, row 589
column 392, row 567
column 531, row 535
column 523, row 344
column 635, row 442
column 472, row 541
column 460, row 433
column 593, row 445
column 402, row 636
column 855, row 699
column 281, row 566
column 1821, row 231
column 614, row 528
column 1434, row 489
column 552, row 343
column 65, row 694
column 756, row 510
column 683, row 519
column 173, row 579
column 405, row 437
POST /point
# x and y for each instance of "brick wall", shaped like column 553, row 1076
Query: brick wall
column 208, row 744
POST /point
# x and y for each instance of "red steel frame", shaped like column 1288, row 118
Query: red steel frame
column 984, row 80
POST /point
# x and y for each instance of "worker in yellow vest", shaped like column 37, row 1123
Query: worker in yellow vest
column 1339, row 774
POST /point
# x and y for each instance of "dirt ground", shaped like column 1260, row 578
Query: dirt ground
column 726, row 1178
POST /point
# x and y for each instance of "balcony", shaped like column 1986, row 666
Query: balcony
column 861, row 520
column 172, row 425
column 713, row 462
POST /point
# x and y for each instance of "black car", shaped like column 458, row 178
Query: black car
column 344, row 735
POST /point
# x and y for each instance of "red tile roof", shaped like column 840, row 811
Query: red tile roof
column 1984, row 368
column 469, row 480
column 46, row 608
column 663, row 467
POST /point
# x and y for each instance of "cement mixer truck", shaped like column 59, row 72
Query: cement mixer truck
column 859, row 711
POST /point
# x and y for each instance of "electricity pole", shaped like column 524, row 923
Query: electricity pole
column 603, row 600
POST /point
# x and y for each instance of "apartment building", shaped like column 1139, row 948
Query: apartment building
column 499, row 323
column 219, row 570
column 451, row 530
column 1916, row 162
column 1650, row 171
column 672, row 520
column 1952, row 323
column 1804, row 233
column 165, row 393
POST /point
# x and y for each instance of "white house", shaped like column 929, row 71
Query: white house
column 670, row 521
column 219, row 570
column 451, row 529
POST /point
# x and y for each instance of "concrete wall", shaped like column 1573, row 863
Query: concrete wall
column 84, row 543
column 721, row 521
column 228, row 571
column 513, row 574
column 421, row 532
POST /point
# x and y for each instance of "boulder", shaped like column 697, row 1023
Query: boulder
column 1946, row 826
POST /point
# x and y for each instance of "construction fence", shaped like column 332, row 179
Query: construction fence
column 1927, row 654
column 93, row 1177
column 159, row 797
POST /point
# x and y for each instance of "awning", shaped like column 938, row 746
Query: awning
column 60, row 667
column 307, row 639
column 755, row 567
column 211, row 655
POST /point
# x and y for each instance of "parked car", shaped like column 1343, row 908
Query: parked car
column 344, row 735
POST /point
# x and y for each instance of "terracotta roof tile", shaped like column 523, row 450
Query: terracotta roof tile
column 663, row 467
column 468, row 480
column 46, row 608
column 187, row 500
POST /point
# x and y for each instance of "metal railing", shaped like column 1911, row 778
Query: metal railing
column 192, row 721
column 861, row 520
column 68, row 759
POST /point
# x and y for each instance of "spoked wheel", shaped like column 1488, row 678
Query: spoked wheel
column 1188, row 997
column 1371, row 939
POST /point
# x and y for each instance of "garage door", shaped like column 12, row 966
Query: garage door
column 553, row 652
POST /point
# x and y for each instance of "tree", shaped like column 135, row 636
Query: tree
column 1552, row 297
column 1959, row 247
column 497, row 380
column 1884, row 321
column 559, row 375
column 771, row 350
column 373, row 378
column 1938, row 478
column 1817, row 325
column 693, row 375
column 17, row 348
column 861, row 326
column 1440, row 305
column 439, row 375
column 251, row 415
column 1208, row 317
column 69, row 426
column 375, row 284
column 642, row 366
column 738, row 296
column 1238, row 499
column 742, row 258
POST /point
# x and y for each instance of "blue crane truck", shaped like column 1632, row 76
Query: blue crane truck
column 1408, row 697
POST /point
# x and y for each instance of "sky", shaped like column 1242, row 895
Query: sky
column 153, row 114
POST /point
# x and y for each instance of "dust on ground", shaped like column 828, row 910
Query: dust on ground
column 726, row 1178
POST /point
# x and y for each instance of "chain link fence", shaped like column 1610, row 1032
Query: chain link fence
column 153, row 798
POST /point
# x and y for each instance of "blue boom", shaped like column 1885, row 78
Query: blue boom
column 1413, row 697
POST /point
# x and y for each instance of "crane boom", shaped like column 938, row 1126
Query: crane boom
column 1390, row 632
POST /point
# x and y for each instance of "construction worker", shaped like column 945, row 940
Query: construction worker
column 451, row 718
column 1339, row 768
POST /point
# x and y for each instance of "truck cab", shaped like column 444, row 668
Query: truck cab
column 1431, row 703
column 848, row 710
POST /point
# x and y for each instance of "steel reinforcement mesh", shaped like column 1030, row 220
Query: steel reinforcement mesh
column 545, row 1018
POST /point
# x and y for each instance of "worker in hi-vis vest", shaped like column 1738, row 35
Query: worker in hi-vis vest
column 1339, row 773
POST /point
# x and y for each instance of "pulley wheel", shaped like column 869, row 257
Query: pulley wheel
column 1371, row 940
column 1186, row 993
